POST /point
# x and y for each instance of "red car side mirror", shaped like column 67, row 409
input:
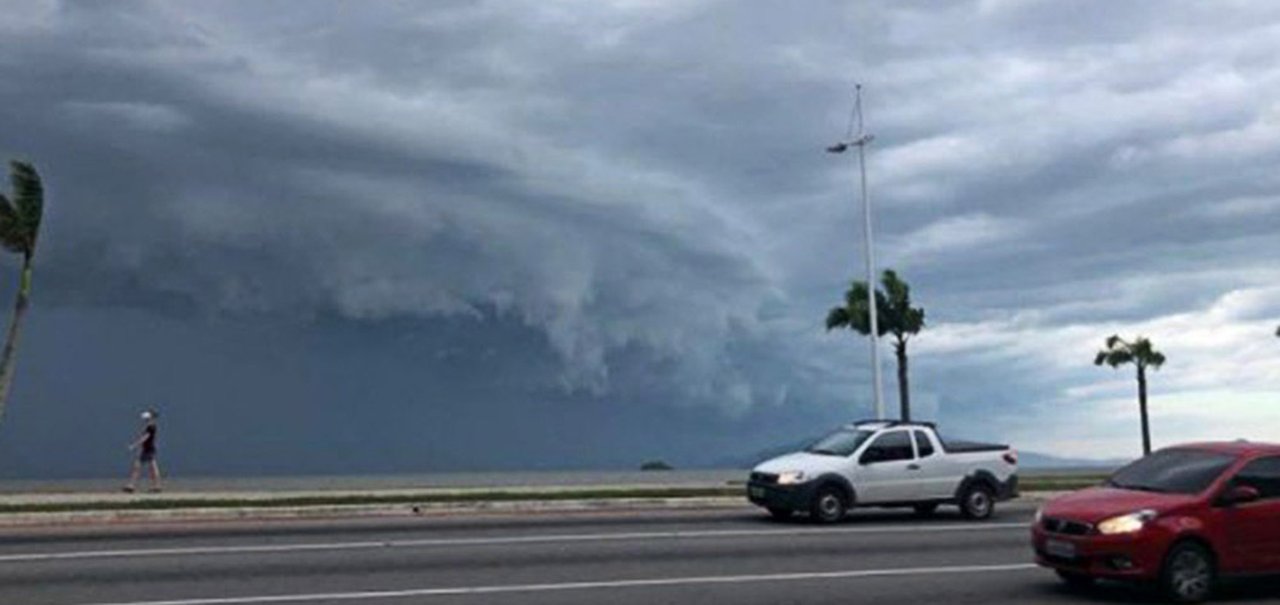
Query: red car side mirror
column 1241, row 494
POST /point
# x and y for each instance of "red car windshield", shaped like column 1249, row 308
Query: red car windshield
column 1175, row 471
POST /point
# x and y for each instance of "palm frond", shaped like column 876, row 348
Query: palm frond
column 894, row 313
column 837, row 317
column 28, row 190
column 856, row 294
column 1156, row 360
column 11, row 238
column 894, row 305
column 895, row 289
column 7, row 211
column 1139, row 352
column 28, row 206
column 1146, row 354
column 1114, row 358
column 913, row 321
column 854, row 314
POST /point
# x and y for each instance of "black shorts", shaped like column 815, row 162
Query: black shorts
column 146, row 456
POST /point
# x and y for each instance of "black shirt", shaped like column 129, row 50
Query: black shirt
column 149, row 442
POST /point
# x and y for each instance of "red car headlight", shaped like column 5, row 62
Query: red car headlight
column 1127, row 524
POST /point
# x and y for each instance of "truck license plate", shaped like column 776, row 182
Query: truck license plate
column 1060, row 548
column 756, row 492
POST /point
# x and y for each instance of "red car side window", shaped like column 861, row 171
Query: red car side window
column 1263, row 475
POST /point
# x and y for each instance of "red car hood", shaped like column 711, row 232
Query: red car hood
column 1098, row 503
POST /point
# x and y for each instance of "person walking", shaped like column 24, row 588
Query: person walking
column 146, row 447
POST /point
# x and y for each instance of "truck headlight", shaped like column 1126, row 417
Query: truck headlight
column 1127, row 524
column 790, row 477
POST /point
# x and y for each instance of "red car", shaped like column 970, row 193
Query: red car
column 1180, row 518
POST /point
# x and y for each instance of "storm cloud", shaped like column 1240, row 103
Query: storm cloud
column 395, row 230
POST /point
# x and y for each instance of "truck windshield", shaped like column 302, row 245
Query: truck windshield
column 840, row 443
column 1172, row 471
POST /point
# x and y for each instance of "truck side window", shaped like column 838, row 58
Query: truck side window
column 1263, row 475
column 888, row 448
column 923, row 445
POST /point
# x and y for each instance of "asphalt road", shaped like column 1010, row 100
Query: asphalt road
column 735, row 556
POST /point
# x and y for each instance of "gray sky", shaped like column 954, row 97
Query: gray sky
column 349, row 237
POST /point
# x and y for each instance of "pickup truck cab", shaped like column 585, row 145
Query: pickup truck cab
column 885, row 464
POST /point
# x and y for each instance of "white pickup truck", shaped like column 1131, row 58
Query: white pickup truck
column 885, row 464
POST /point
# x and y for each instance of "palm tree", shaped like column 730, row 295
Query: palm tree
column 1142, row 355
column 894, row 315
column 19, row 228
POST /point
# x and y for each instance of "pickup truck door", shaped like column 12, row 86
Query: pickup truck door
column 883, row 473
column 938, row 476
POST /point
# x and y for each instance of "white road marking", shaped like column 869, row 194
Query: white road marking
column 566, row 586
column 498, row 541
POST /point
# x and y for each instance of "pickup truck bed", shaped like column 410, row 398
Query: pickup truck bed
column 968, row 447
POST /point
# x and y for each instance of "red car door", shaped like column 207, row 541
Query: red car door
column 1253, row 528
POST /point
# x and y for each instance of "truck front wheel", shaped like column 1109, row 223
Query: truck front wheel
column 828, row 505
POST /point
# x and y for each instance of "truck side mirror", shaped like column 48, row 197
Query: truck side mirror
column 1240, row 494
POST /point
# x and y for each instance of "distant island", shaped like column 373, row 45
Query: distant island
column 656, row 465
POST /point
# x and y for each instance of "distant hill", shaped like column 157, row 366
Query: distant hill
column 1030, row 460
column 1047, row 461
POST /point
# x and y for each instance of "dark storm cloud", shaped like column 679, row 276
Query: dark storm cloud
column 636, row 190
column 247, row 204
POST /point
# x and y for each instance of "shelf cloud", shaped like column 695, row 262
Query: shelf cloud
column 617, row 218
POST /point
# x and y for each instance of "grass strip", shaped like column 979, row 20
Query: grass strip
column 1052, row 483
column 1027, row 484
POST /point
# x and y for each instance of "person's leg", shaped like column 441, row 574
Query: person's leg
column 134, row 473
column 155, row 475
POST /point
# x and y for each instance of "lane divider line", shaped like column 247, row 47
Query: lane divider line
column 498, row 541
column 596, row 585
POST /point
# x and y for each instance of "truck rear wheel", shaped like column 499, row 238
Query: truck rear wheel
column 977, row 502
column 828, row 505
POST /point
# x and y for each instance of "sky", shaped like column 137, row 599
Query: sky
column 333, row 237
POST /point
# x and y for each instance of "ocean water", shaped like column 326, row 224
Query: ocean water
column 506, row 479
